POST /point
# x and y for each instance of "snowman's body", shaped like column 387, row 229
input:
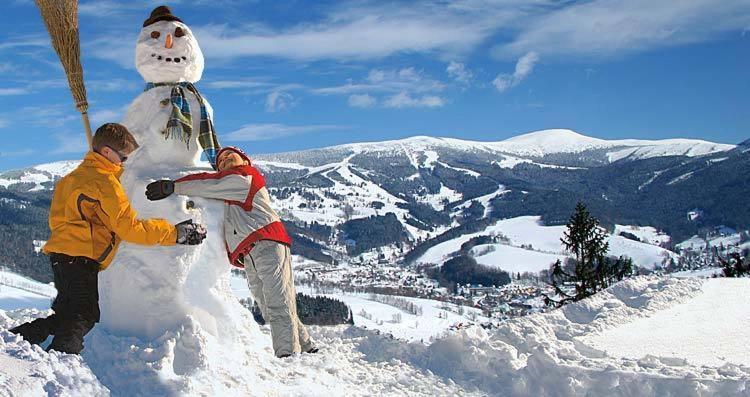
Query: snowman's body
column 150, row 290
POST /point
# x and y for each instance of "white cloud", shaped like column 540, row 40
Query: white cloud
column 459, row 72
column 8, row 67
column 18, row 153
column 265, row 132
column 362, row 30
column 601, row 28
column 524, row 67
column 26, row 41
column 362, row 101
column 68, row 142
column 236, row 84
column 387, row 81
column 99, row 117
column 404, row 100
column 112, row 85
column 279, row 101
column 13, row 91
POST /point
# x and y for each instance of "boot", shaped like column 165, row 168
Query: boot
column 34, row 332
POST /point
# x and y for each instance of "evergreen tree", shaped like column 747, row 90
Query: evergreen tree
column 591, row 270
column 735, row 265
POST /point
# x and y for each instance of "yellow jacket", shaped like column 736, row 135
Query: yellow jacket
column 90, row 214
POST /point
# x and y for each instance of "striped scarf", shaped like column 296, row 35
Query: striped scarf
column 180, row 123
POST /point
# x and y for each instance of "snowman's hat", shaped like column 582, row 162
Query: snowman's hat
column 160, row 13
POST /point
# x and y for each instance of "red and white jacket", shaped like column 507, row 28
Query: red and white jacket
column 248, row 216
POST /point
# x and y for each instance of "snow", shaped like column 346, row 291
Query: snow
column 646, row 234
column 680, row 178
column 702, row 273
column 412, row 328
column 711, row 317
column 514, row 259
column 538, row 144
column 650, row 335
column 643, row 255
column 545, row 245
column 58, row 168
column 548, row 354
column 441, row 198
column 41, row 173
column 484, row 200
column 697, row 243
column 464, row 170
column 265, row 164
column 431, row 157
column 19, row 292
column 180, row 361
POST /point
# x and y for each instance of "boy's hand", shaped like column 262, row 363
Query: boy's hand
column 189, row 233
column 159, row 189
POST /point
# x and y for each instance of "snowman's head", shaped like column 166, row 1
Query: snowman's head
column 167, row 51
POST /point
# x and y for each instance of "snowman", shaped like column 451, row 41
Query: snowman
column 147, row 292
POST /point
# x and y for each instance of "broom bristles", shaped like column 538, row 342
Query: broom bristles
column 61, row 19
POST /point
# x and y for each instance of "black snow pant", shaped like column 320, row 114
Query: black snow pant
column 76, row 305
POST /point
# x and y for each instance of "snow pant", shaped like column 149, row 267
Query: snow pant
column 76, row 305
column 268, row 268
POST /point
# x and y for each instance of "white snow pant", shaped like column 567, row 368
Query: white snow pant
column 268, row 268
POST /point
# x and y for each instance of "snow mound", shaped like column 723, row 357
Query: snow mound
column 27, row 370
column 167, row 366
column 550, row 354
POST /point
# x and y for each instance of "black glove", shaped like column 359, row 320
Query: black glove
column 159, row 189
column 189, row 233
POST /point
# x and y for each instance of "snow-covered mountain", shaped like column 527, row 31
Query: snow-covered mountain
column 38, row 177
column 423, row 152
column 423, row 191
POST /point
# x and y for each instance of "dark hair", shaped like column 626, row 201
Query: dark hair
column 114, row 135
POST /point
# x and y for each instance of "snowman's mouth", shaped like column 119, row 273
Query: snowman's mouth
column 168, row 59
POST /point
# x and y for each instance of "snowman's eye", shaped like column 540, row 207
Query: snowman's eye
column 179, row 32
column 155, row 34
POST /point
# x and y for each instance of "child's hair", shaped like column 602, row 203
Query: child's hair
column 114, row 135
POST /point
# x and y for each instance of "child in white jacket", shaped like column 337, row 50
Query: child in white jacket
column 255, row 239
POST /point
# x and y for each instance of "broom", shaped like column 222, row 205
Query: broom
column 61, row 18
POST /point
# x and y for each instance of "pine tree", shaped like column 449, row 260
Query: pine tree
column 591, row 269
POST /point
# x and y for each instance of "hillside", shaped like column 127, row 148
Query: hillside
column 406, row 196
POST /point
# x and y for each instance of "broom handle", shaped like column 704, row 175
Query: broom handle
column 87, row 128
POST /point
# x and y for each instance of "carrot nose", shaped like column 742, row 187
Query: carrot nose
column 168, row 42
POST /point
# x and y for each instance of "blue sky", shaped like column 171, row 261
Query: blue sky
column 290, row 75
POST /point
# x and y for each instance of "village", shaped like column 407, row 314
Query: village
column 524, row 295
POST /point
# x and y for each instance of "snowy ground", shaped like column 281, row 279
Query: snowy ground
column 648, row 336
column 711, row 318
column 436, row 318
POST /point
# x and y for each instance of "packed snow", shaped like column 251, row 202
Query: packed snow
column 713, row 316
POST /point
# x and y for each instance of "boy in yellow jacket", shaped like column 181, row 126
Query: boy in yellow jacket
column 89, row 216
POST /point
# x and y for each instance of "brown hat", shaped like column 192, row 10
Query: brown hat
column 160, row 13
